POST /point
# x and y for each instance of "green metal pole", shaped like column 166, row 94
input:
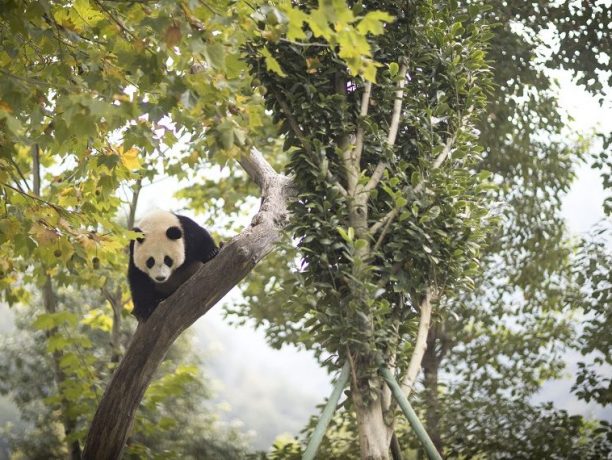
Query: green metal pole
column 410, row 414
column 326, row 416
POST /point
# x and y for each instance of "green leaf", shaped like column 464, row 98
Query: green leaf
column 393, row 69
column 373, row 22
column 215, row 55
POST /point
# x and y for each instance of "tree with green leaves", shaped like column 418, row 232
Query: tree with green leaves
column 492, row 348
column 390, row 216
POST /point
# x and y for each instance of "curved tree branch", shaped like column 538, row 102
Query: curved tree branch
column 152, row 339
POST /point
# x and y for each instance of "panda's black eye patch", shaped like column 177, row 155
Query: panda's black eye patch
column 174, row 233
column 168, row 261
column 141, row 239
column 150, row 262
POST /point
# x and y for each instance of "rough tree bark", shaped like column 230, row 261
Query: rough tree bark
column 152, row 339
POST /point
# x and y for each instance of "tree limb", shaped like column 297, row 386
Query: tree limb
column 389, row 218
column 384, row 221
column 393, row 128
column 420, row 345
column 440, row 158
column 365, row 103
column 152, row 339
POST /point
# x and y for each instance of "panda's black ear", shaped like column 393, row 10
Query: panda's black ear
column 140, row 240
column 174, row 233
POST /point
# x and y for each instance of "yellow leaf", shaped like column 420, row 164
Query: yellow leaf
column 130, row 158
column 271, row 63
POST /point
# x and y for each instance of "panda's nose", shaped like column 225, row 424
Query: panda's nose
column 160, row 278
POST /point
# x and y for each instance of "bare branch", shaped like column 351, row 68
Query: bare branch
column 376, row 176
column 20, row 175
column 420, row 345
column 377, row 226
column 152, row 339
column 134, row 203
column 334, row 180
column 393, row 128
column 397, row 105
column 36, row 170
column 365, row 103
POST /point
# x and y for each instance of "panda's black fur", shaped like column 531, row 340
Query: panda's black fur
column 165, row 235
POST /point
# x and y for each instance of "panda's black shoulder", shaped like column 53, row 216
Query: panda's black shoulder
column 199, row 245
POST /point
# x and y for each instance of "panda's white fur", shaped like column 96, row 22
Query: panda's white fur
column 157, row 247
column 171, row 249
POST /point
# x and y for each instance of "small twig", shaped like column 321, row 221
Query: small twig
column 55, row 207
column 334, row 180
column 391, row 215
column 293, row 124
column 122, row 26
column 20, row 175
column 377, row 226
column 353, row 370
column 32, row 81
column 440, row 158
column 304, row 44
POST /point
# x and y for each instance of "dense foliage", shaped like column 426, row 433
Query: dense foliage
column 99, row 98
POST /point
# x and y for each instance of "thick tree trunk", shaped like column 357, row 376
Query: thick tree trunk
column 152, row 339
column 374, row 433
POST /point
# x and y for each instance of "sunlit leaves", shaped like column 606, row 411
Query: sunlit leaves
column 338, row 24
column 129, row 158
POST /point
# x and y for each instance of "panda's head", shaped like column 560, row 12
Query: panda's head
column 162, row 249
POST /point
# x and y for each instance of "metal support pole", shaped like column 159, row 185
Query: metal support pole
column 326, row 416
column 410, row 414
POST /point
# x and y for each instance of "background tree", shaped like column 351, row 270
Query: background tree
column 174, row 420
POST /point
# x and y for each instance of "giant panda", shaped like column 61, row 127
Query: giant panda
column 172, row 249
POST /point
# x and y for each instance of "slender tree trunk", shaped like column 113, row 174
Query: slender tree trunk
column 50, row 305
column 431, row 365
column 374, row 432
